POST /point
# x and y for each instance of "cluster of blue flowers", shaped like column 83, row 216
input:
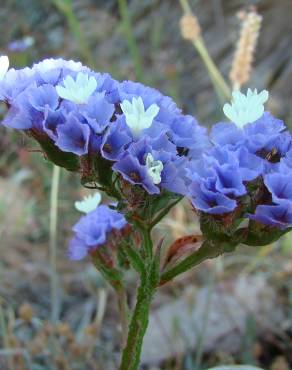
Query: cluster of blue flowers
column 250, row 160
column 141, row 133
column 243, row 167
column 94, row 230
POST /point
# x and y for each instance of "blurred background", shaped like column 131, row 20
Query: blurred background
column 56, row 314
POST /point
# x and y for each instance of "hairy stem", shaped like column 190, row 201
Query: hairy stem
column 123, row 308
column 139, row 321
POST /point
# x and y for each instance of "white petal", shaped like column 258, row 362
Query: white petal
column 63, row 92
column 246, row 108
column 89, row 203
column 92, row 84
column 69, row 83
column 264, row 96
column 4, row 66
column 81, row 79
column 228, row 111
column 152, row 111
column 126, row 107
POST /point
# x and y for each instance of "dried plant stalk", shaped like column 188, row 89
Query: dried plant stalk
column 244, row 55
column 189, row 26
column 191, row 31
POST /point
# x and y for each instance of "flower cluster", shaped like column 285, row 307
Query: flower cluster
column 94, row 230
column 141, row 134
column 248, row 167
column 89, row 122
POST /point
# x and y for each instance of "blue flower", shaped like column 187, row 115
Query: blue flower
column 279, row 216
column 98, row 112
column 210, row 201
column 219, row 179
column 73, row 136
column 279, row 185
column 267, row 138
column 188, row 136
column 94, row 230
column 153, row 164
column 228, row 134
column 115, row 140
column 132, row 166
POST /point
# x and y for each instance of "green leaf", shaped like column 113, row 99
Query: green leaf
column 69, row 161
column 134, row 257
column 103, row 171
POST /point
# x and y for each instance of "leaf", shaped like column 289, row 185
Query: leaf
column 182, row 247
column 69, row 161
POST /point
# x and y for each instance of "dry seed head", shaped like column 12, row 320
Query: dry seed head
column 64, row 330
column 91, row 330
column 25, row 312
column 246, row 46
column 12, row 341
column 37, row 346
column 189, row 27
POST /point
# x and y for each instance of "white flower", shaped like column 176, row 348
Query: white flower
column 154, row 169
column 77, row 91
column 136, row 117
column 89, row 203
column 246, row 108
column 4, row 65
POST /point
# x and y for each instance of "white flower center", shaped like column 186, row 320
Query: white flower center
column 4, row 66
column 154, row 169
column 78, row 91
column 136, row 117
column 89, row 203
column 246, row 108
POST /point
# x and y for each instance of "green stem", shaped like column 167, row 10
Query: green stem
column 53, row 243
column 186, row 6
column 164, row 212
column 147, row 245
column 221, row 87
column 139, row 321
column 129, row 35
column 123, row 309
column 207, row 251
